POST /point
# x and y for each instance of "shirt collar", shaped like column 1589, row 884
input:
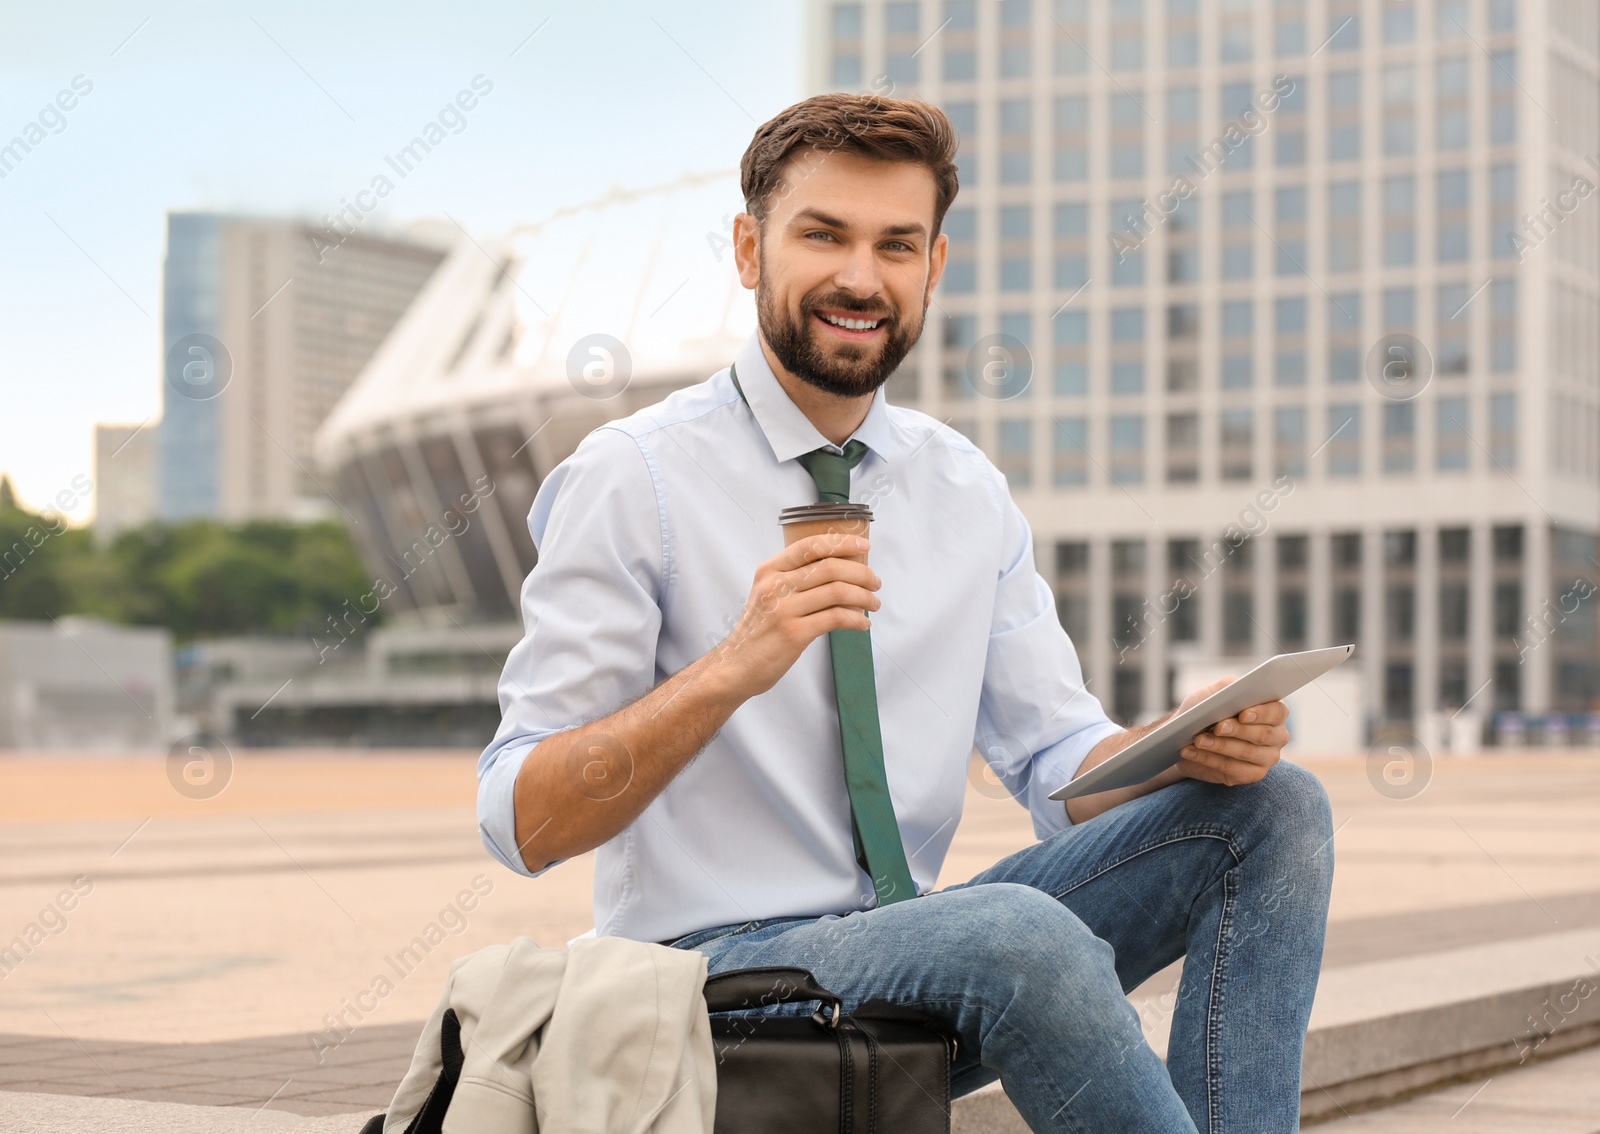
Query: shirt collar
column 787, row 429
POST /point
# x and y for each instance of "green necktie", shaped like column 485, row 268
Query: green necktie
column 877, row 833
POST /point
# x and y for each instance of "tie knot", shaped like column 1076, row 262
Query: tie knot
column 831, row 471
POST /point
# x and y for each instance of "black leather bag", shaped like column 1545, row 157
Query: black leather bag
column 883, row 1070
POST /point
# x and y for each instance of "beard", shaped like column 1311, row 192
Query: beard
column 849, row 370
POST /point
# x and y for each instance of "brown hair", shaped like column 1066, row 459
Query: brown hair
column 893, row 129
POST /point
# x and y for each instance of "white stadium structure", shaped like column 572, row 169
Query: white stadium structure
column 512, row 353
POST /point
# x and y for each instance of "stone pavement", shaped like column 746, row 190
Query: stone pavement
column 225, row 950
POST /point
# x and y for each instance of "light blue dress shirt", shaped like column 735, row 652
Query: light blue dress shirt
column 649, row 536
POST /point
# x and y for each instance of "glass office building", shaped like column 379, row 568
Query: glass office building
column 265, row 323
column 1198, row 228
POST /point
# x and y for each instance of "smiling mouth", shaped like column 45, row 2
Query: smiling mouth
column 852, row 327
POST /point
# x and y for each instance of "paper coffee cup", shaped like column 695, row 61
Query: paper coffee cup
column 841, row 520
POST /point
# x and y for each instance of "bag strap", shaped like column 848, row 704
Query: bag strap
column 772, row 984
column 858, row 1079
column 430, row 1119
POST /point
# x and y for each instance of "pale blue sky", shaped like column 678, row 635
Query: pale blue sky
column 286, row 108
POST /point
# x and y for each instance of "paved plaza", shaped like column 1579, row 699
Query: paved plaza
column 273, row 946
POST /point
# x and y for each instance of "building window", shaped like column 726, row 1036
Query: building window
column 1503, row 325
column 1238, row 318
column 1238, row 261
column 1069, row 452
column 1183, row 321
column 902, row 17
column 1289, row 37
column 1072, row 219
column 1016, row 273
column 1453, row 611
column 1344, row 90
column 1503, row 430
column 1183, row 48
column 1399, row 220
column 1399, row 437
column 1127, row 377
column 1016, row 13
column 1127, row 269
column 1127, row 449
column 1237, row 42
column 1016, row 451
column 1072, row 580
column 1127, row 324
column 1071, row 343
column 1183, row 448
column 1289, row 441
column 1238, row 443
column 1344, row 338
column 1016, row 221
column 1238, row 619
column 960, row 65
column 1399, row 308
column 1451, row 437
column 1452, row 354
column 1343, row 445
column 1399, row 22
column 1344, row 31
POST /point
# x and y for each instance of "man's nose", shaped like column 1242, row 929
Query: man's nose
column 859, row 273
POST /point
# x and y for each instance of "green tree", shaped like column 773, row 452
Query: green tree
column 198, row 578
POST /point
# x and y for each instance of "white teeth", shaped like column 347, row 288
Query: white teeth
column 852, row 324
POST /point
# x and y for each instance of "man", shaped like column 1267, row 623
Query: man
column 691, row 699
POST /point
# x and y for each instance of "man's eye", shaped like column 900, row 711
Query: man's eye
column 825, row 235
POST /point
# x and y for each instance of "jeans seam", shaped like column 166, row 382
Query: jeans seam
column 1224, row 838
column 1214, row 1010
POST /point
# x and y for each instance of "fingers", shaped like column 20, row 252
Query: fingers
column 1222, row 770
column 1231, row 729
column 1199, row 770
column 1271, row 712
column 837, row 593
column 1240, row 748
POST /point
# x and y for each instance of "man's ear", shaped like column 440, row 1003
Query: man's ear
column 747, row 249
column 936, row 262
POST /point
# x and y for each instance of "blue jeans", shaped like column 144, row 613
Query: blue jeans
column 1029, row 961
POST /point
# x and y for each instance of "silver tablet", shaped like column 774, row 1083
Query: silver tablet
column 1157, row 750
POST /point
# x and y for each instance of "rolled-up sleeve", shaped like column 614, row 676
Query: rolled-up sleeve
column 591, row 610
column 1036, row 718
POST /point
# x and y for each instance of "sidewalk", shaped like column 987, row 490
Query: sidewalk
column 308, row 878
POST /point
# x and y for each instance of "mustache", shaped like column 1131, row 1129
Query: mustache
column 854, row 309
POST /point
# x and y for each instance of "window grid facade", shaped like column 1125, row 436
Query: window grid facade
column 1392, row 187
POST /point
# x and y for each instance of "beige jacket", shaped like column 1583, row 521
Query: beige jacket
column 609, row 1037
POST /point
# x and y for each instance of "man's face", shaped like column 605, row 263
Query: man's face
column 846, row 239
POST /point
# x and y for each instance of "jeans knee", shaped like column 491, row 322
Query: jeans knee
column 1300, row 803
column 1293, row 825
column 1022, row 934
